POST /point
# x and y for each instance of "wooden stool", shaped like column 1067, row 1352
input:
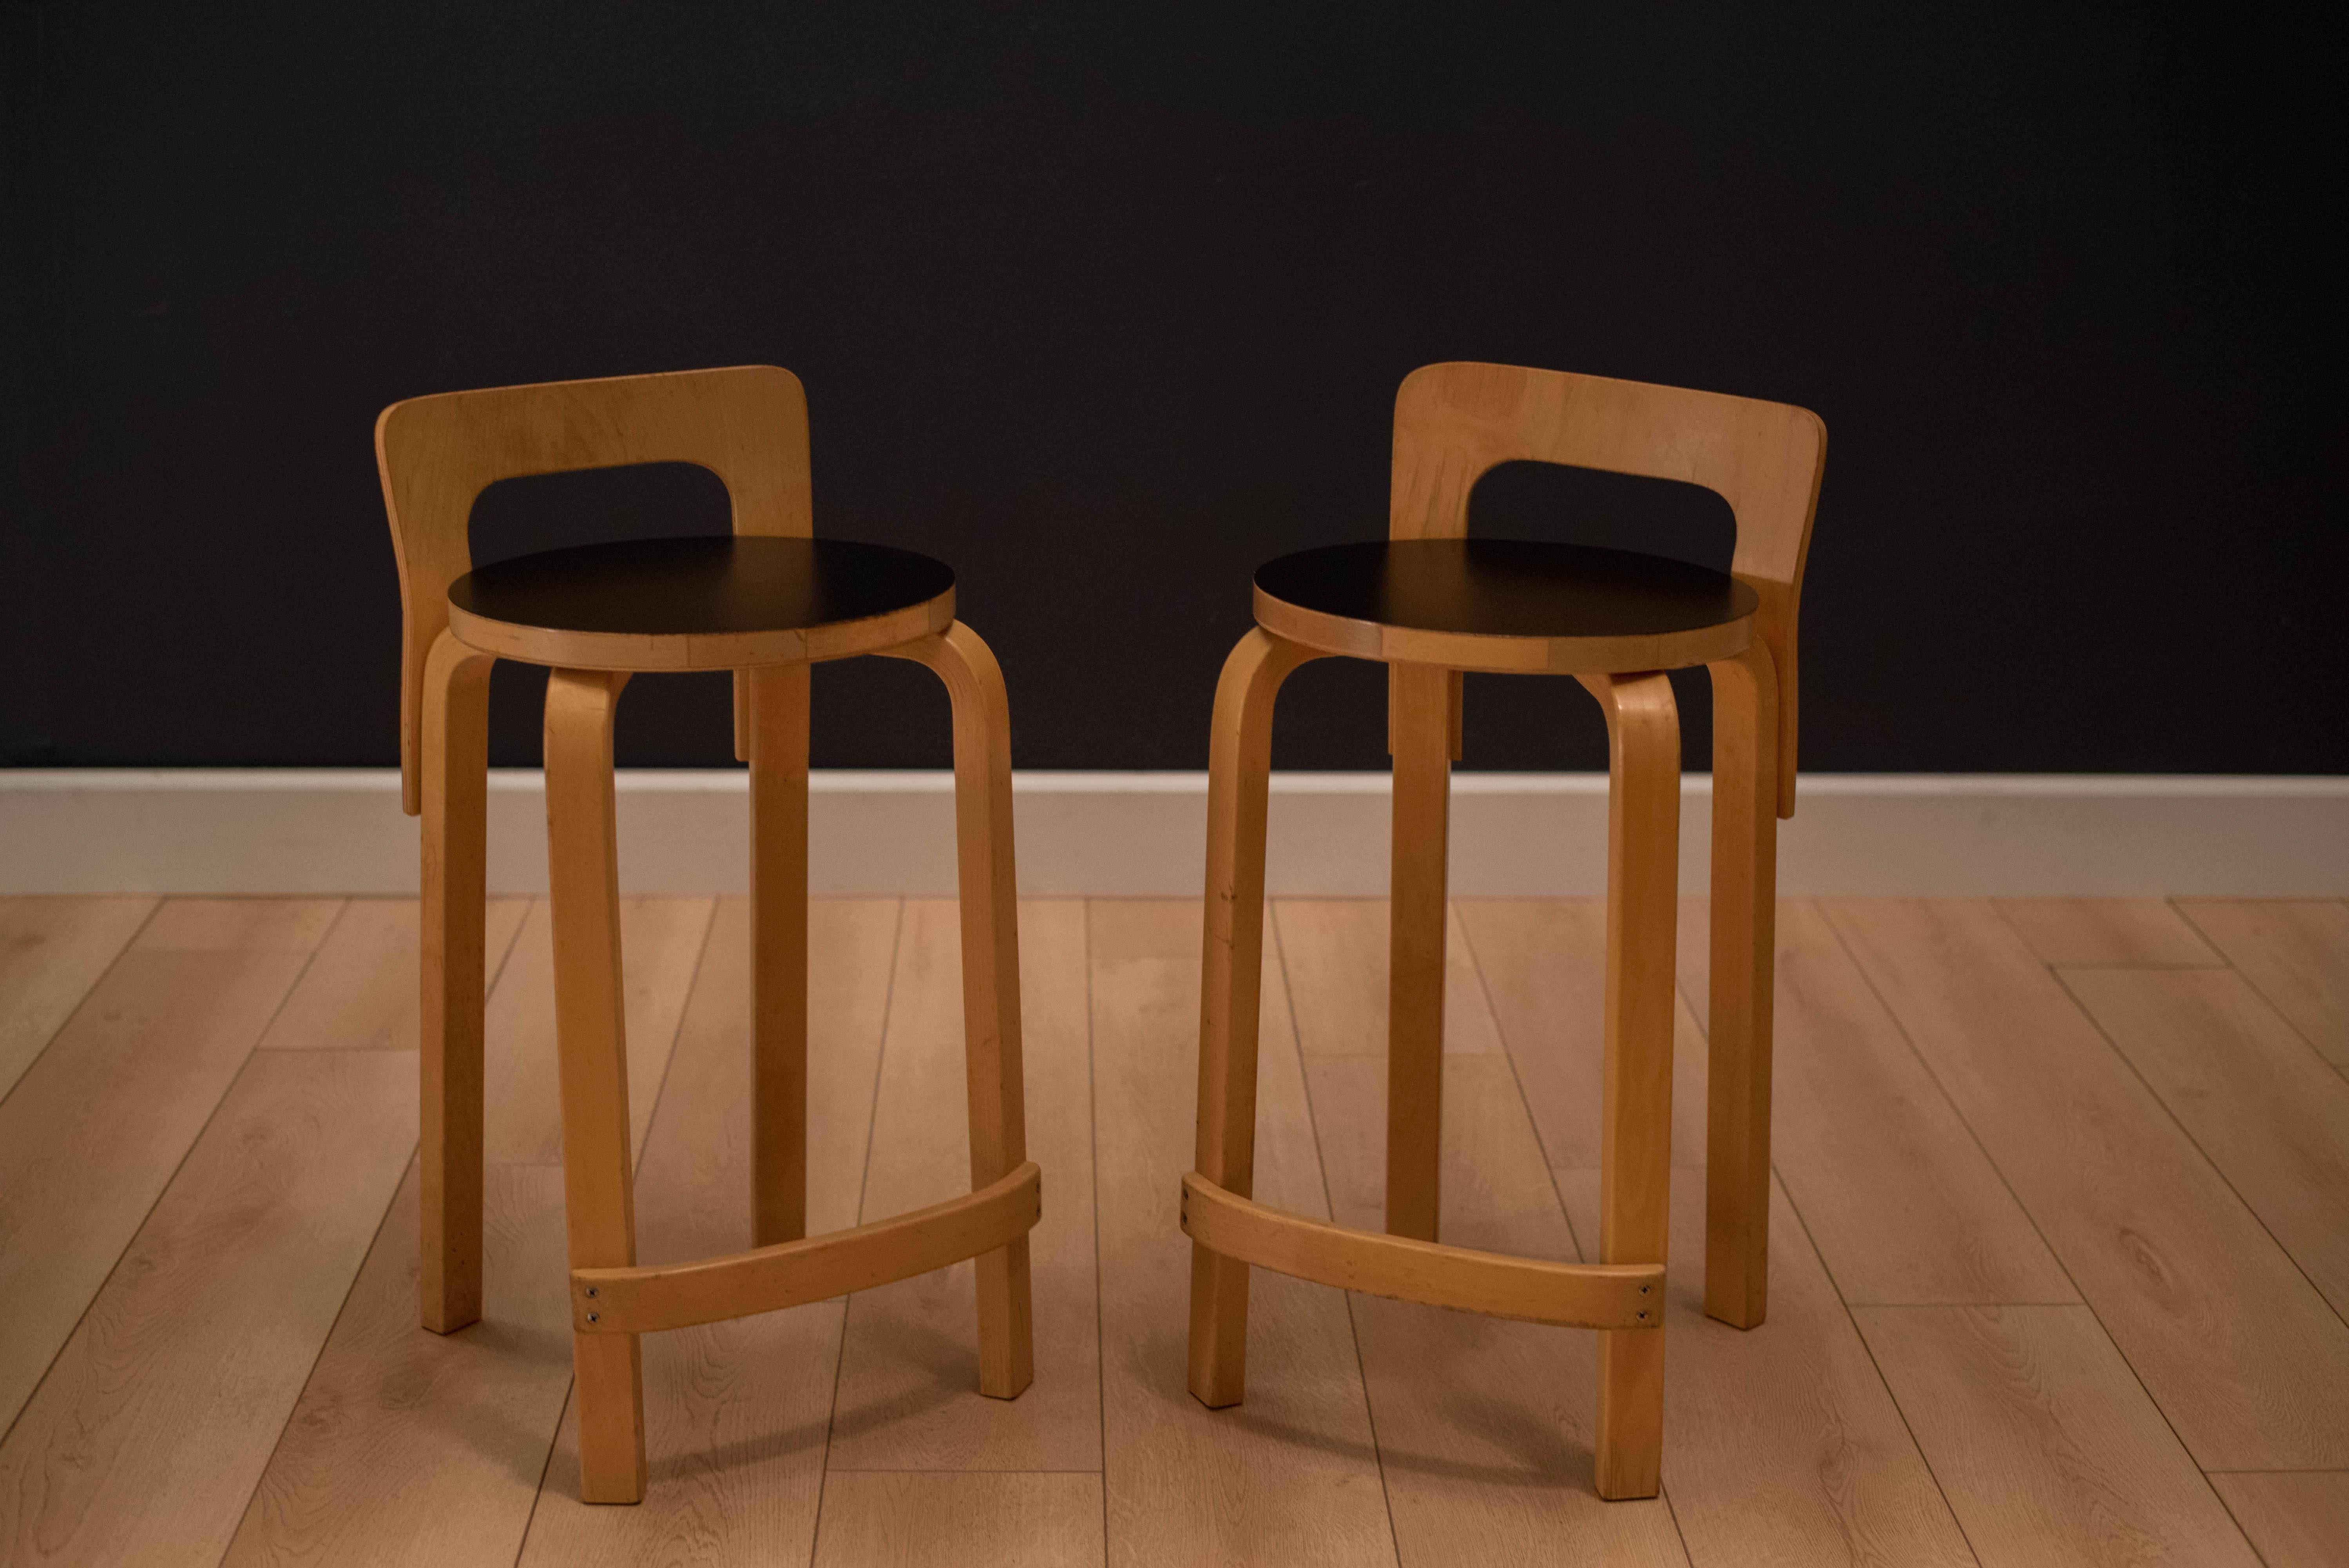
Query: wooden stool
column 766, row 602
column 1431, row 603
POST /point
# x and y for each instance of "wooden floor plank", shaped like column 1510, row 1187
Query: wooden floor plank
column 239, row 925
column 52, row 951
column 409, row 1447
column 2297, row 1519
column 660, row 942
column 2296, row 950
column 93, row 1130
column 923, row 1519
column 1899, row 1198
column 2268, row 1110
column 1484, row 1428
column 1543, row 963
column 909, row 1395
column 1783, row 1447
column 735, row 1412
column 2241, row 1353
column 145, row 1439
column 1335, row 951
column 1290, row 1476
column 2045, row 1442
column 360, row 991
column 2109, row 931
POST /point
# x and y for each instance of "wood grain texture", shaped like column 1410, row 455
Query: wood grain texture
column 1544, row 961
column 359, row 992
column 145, row 1438
column 1484, row 1426
column 94, row 1129
column 239, row 925
column 2270, row 1113
column 735, row 1413
column 908, row 1372
column 1455, row 421
column 410, row 1447
column 2109, row 931
column 748, row 424
column 2234, row 1343
column 2296, row 950
column 917, row 1519
column 2043, row 1441
column 1419, row 730
column 1231, row 981
column 1335, row 950
column 660, row 942
column 52, row 951
column 987, row 896
column 2295, row 1519
column 1783, row 1446
column 1290, row 1476
column 1896, row 1194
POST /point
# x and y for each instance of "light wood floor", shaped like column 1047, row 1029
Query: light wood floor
column 2060, row 1253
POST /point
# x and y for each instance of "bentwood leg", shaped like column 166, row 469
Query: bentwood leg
column 990, row 982
column 1635, row 1153
column 1239, row 770
column 1421, row 699
column 1744, row 944
column 455, row 757
column 778, row 736
column 598, row 1180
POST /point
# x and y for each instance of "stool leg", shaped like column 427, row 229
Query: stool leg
column 988, row 888
column 1231, row 990
column 1423, row 701
column 591, row 1047
column 1744, row 951
column 779, row 926
column 1636, row 1148
column 453, row 969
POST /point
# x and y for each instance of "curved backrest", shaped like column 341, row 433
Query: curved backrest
column 1455, row 421
column 747, row 425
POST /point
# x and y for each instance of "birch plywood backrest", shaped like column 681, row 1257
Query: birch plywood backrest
column 747, row 425
column 1455, row 422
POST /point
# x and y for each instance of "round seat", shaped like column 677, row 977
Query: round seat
column 701, row 604
column 1505, row 604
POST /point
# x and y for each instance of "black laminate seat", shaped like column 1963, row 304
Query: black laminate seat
column 702, row 603
column 1465, row 602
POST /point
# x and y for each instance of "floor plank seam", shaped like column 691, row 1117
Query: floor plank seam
column 2172, row 1426
column 87, row 992
column 165, row 1186
column 2341, row 1069
column 1092, row 1152
column 1516, row 1080
column 863, row 1181
column 1321, row 1166
column 1878, row 1367
column 2188, row 1133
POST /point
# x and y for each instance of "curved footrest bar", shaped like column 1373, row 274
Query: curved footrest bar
column 767, row 1279
column 1578, row 1295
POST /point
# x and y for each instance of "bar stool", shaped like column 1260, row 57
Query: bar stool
column 1431, row 603
column 766, row 602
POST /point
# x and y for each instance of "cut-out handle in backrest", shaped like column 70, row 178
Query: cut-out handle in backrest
column 747, row 425
column 1455, row 421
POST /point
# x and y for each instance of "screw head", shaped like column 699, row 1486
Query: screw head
column 1643, row 1289
column 1643, row 1318
column 591, row 1290
column 598, row 1318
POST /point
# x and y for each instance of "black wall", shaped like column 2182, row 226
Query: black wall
column 1105, row 304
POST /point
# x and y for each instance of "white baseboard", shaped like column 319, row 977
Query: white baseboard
column 341, row 832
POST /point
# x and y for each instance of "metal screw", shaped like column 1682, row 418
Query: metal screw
column 598, row 1318
column 590, row 1318
column 591, row 1290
